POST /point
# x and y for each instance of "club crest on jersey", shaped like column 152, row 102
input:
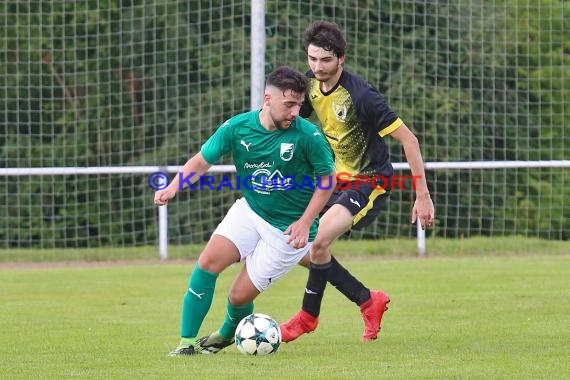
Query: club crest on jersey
column 340, row 111
column 287, row 150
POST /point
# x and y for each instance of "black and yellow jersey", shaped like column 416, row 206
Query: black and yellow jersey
column 354, row 118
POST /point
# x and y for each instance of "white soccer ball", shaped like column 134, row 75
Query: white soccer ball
column 258, row 334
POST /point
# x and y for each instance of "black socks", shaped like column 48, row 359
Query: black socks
column 318, row 276
column 347, row 284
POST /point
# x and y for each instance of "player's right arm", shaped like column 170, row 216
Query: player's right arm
column 194, row 168
column 299, row 231
column 217, row 145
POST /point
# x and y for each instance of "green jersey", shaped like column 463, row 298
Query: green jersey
column 277, row 171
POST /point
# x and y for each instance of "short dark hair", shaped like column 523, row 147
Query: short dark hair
column 286, row 78
column 325, row 35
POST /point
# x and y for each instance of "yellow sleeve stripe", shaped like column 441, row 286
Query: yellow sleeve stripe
column 391, row 128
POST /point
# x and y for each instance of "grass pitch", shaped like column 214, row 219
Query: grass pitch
column 476, row 318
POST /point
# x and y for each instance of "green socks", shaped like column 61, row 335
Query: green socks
column 197, row 301
column 234, row 315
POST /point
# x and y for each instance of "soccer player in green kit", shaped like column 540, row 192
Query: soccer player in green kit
column 273, row 225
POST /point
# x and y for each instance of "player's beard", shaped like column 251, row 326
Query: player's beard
column 327, row 75
column 280, row 124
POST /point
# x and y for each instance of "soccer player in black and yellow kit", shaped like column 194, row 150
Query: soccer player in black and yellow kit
column 355, row 120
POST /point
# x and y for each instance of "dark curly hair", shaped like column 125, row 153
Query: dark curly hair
column 325, row 35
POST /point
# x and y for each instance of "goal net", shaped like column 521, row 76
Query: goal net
column 132, row 83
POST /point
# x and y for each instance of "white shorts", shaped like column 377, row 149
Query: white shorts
column 264, row 248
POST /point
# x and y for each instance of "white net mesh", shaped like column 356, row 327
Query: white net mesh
column 124, row 83
column 476, row 81
column 112, row 84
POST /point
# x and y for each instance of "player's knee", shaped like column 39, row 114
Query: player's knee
column 321, row 246
column 237, row 298
column 207, row 264
column 215, row 264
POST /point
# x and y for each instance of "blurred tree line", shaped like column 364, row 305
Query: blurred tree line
column 118, row 82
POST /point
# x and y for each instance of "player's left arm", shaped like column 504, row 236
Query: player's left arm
column 423, row 206
column 299, row 231
column 374, row 111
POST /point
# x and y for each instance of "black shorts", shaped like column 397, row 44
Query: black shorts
column 364, row 201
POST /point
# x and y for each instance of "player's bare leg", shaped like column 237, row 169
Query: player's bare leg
column 372, row 304
column 335, row 222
